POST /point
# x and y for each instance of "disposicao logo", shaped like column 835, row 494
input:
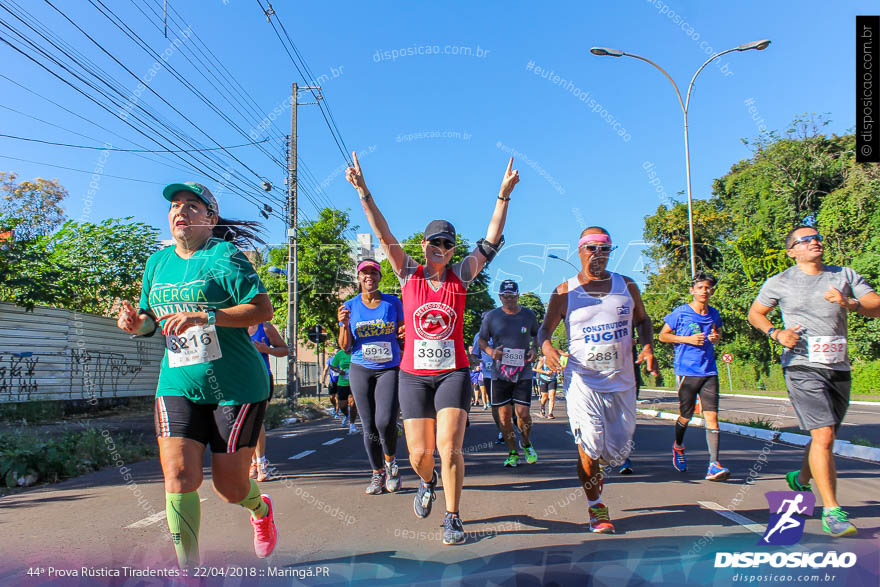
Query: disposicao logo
column 788, row 512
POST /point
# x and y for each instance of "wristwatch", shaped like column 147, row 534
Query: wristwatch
column 212, row 317
column 770, row 332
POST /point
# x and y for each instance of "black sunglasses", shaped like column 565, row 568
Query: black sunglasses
column 599, row 248
column 441, row 243
column 807, row 238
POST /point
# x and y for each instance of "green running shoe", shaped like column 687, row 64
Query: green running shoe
column 512, row 459
column 531, row 454
column 835, row 522
column 794, row 485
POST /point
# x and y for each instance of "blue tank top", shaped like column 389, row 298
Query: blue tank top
column 260, row 336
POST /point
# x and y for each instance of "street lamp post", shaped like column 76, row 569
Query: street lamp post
column 606, row 52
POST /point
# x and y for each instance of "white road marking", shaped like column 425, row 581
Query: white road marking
column 291, row 435
column 733, row 516
column 304, row 453
column 334, row 441
column 157, row 517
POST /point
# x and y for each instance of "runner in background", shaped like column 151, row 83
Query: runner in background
column 695, row 329
column 476, row 375
column 815, row 300
column 332, row 386
column 435, row 386
column 547, row 381
column 268, row 341
column 369, row 323
column 341, row 365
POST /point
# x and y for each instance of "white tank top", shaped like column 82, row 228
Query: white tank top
column 600, row 336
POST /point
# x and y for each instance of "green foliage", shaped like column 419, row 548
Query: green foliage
column 478, row 298
column 83, row 266
column 35, row 204
column 799, row 177
column 326, row 273
column 73, row 453
column 531, row 301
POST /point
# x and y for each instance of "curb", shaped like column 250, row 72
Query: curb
column 750, row 396
column 842, row 448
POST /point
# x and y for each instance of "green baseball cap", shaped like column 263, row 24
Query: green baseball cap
column 198, row 189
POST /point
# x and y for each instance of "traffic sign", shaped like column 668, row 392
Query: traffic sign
column 727, row 357
column 317, row 334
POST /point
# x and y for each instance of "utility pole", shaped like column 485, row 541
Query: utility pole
column 292, row 246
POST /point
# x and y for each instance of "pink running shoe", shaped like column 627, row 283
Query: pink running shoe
column 265, row 533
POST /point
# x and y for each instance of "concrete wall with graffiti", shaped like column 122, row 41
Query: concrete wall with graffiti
column 52, row 354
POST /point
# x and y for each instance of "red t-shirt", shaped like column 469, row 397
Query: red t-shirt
column 434, row 323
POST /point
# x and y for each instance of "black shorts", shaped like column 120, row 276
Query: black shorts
column 422, row 396
column 331, row 389
column 342, row 393
column 503, row 392
column 688, row 388
column 820, row 397
column 546, row 386
column 224, row 428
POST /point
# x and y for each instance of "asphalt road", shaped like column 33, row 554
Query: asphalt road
column 526, row 526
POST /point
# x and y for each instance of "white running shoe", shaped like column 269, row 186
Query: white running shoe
column 352, row 429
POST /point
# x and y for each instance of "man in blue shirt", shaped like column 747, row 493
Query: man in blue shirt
column 695, row 329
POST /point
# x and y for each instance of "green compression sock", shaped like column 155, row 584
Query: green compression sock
column 254, row 502
column 184, row 513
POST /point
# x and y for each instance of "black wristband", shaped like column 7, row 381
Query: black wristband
column 149, row 314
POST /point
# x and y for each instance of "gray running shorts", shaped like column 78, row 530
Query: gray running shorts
column 820, row 397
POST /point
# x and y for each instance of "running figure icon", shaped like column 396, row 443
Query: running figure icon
column 787, row 521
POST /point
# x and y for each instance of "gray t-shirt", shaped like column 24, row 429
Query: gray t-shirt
column 801, row 298
column 514, row 332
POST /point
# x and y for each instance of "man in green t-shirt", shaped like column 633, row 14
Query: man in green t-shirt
column 341, row 364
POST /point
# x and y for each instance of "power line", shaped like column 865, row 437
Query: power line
column 128, row 150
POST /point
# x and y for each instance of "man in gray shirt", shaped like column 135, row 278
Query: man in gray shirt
column 512, row 330
column 814, row 299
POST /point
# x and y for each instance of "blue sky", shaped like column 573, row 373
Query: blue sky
column 437, row 129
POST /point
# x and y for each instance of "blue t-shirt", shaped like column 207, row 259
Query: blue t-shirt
column 334, row 376
column 485, row 360
column 376, row 328
column 692, row 360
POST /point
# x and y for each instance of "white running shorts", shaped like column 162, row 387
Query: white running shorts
column 603, row 424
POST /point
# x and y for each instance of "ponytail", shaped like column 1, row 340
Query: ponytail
column 242, row 233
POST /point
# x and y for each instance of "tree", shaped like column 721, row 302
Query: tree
column 84, row 267
column 531, row 301
column 478, row 298
column 35, row 204
column 326, row 273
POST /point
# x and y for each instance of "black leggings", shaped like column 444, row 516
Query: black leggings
column 375, row 395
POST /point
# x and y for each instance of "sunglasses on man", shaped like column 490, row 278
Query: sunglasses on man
column 807, row 238
column 599, row 248
column 441, row 243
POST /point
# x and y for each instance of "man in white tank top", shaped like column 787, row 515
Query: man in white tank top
column 600, row 309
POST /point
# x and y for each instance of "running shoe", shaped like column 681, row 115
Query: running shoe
column 835, row 522
column 599, row 520
column 500, row 439
column 352, row 429
column 392, row 477
column 377, row 484
column 543, row 413
column 485, row 407
column 716, row 472
column 678, row 460
column 551, row 416
column 453, row 531
column 336, row 414
column 254, row 470
column 531, row 454
column 345, row 420
column 512, row 459
column 265, row 533
column 626, row 468
column 264, row 473
column 425, row 497
column 794, row 484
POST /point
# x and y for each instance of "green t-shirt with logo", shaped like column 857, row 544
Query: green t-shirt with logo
column 342, row 360
column 216, row 276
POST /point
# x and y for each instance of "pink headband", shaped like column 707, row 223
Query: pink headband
column 600, row 237
column 369, row 264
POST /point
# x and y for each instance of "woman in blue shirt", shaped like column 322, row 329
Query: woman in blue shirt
column 369, row 324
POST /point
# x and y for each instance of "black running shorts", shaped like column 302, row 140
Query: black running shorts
column 547, row 386
column 342, row 393
column 422, row 396
column 503, row 392
column 688, row 388
column 224, row 428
